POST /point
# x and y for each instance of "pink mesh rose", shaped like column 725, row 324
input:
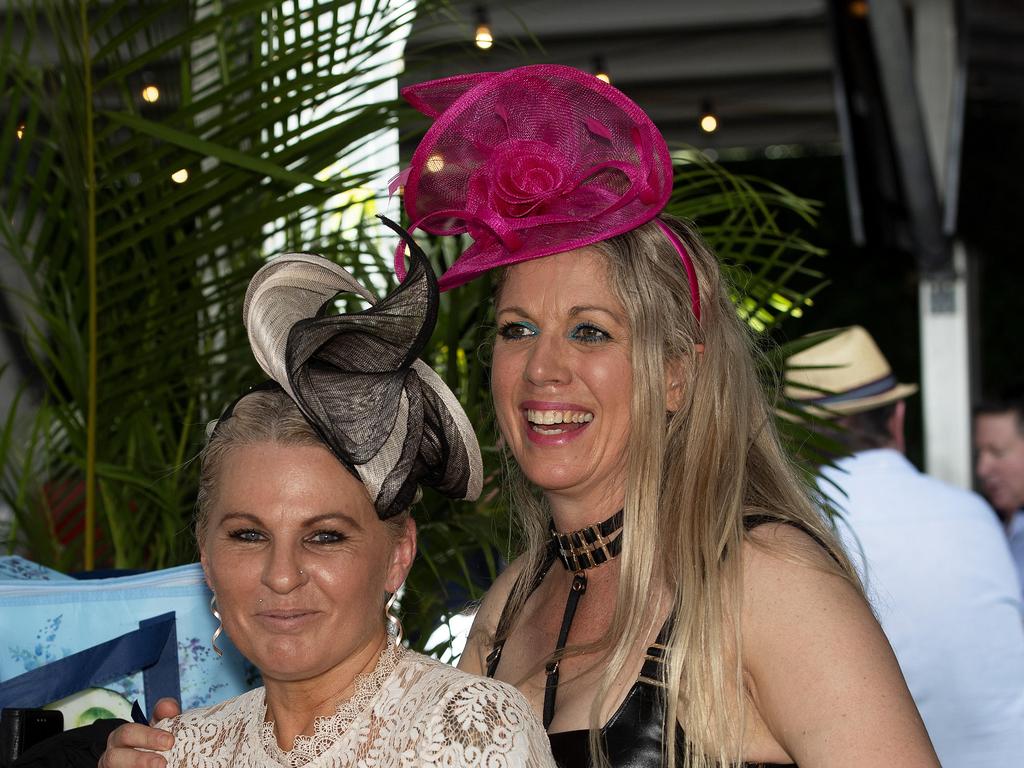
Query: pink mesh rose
column 523, row 176
column 538, row 160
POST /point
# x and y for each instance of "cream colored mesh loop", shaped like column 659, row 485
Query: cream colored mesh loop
column 386, row 415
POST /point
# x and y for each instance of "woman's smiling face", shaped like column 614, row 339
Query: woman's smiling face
column 299, row 560
column 562, row 376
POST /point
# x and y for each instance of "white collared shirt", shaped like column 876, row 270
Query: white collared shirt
column 1016, row 538
column 940, row 577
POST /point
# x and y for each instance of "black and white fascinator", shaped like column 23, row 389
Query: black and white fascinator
column 385, row 414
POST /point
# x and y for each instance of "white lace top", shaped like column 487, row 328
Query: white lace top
column 410, row 711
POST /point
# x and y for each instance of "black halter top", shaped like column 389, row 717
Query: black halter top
column 635, row 734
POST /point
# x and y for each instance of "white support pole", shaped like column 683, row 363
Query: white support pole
column 944, row 312
column 945, row 373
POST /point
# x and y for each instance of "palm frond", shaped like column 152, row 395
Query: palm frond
column 136, row 281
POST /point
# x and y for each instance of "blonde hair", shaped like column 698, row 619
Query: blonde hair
column 264, row 416
column 692, row 481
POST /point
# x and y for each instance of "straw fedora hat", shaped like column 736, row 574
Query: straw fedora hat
column 844, row 374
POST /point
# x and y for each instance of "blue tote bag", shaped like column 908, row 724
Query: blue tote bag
column 142, row 637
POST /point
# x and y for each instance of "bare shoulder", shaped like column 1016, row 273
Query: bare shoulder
column 488, row 614
column 818, row 668
column 793, row 592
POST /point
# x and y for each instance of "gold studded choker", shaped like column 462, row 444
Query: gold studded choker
column 590, row 546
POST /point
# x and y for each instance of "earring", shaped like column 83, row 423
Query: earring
column 394, row 623
column 220, row 625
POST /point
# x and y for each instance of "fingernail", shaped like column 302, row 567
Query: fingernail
column 166, row 741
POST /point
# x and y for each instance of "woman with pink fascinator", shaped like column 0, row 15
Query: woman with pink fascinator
column 679, row 600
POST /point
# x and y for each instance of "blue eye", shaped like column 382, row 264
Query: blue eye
column 589, row 334
column 328, row 537
column 514, row 331
column 246, row 534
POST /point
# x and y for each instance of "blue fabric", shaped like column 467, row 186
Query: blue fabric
column 44, row 618
column 152, row 648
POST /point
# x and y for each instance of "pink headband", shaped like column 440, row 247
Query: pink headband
column 531, row 162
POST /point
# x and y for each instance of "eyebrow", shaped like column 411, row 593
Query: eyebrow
column 573, row 312
column 307, row 523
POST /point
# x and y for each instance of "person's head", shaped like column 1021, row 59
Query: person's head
column 874, row 428
column 999, row 447
column 606, row 335
column 843, row 377
column 306, row 482
column 543, row 165
column 290, row 542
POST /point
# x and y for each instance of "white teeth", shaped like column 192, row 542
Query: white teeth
column 558, row 417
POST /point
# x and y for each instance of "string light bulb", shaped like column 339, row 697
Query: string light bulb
column 20, row 131
column 708, row 120
column 858, row 9
column 180, row 176
column 600, row 70
column 150, row 94
column 484, row 38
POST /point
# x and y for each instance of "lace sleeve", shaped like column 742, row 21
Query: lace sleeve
column 424, row 715
column 490, row 723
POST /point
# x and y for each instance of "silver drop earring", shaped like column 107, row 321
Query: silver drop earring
column 394, row 623
column 220, row 625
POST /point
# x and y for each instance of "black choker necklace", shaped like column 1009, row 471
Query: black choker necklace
column 588, row 547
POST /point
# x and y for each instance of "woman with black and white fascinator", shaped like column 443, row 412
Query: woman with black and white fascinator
column 305, row 536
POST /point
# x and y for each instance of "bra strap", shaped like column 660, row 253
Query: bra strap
column 654, row 657
column 576, row 591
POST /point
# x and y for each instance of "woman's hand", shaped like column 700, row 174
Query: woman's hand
column 124, row 743
column 821, row 674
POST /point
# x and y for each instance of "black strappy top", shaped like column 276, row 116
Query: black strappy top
column 634, row 735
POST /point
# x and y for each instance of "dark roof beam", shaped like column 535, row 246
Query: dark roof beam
column 788, row 51
column 562, row 21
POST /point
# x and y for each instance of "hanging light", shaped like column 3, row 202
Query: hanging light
column 708, row 119
column 484, row 39
column 180, row 176
column 858, row 9
column 600, row 70
column 150, row 94
column 20, row 131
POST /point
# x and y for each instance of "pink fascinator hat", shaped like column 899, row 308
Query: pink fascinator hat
column 531, row 162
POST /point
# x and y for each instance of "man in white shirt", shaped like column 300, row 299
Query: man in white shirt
column 999, row 444
column 934, row 561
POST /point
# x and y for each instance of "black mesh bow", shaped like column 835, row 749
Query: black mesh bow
column 386, row 415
